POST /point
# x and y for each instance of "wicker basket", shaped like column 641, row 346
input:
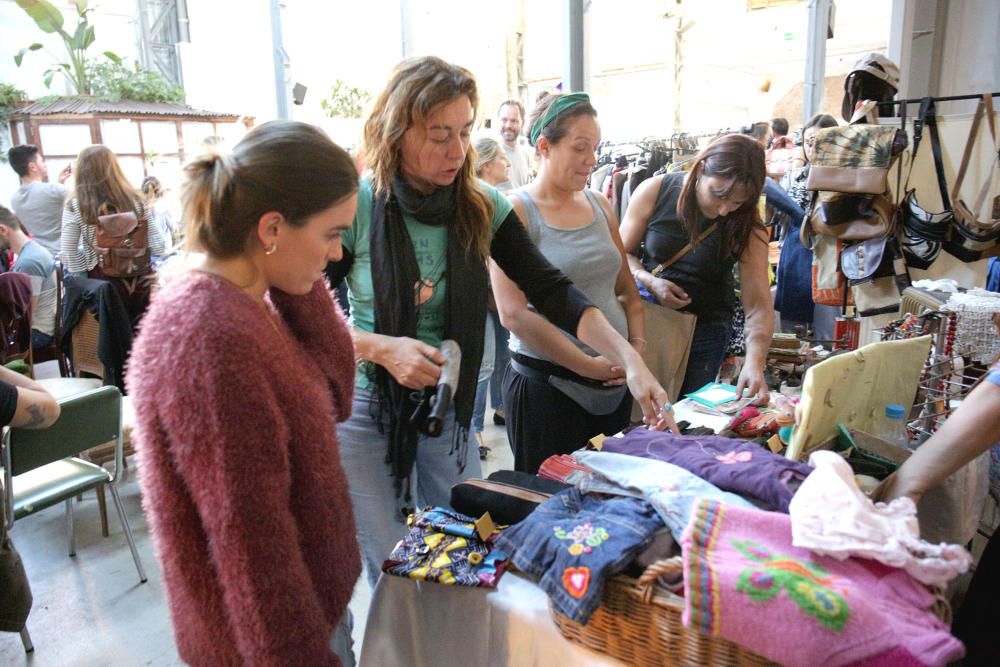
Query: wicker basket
column 640, row 624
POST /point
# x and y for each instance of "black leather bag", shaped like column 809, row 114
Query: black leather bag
column 923, row 232
column 508, row 495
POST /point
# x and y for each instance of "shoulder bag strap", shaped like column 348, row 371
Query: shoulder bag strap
column 901, row 191
column 927, row 119
column 973, row 131
column 683, row 251
column 938, row 160
column 981, row 197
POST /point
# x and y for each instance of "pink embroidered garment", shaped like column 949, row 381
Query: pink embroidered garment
column 745, row 582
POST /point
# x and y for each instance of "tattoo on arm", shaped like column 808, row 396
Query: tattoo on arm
column 37, row 416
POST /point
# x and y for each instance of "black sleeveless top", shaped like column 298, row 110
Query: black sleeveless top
column 706, row 271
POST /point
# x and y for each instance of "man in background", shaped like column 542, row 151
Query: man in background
column 37, row 263
column 511, row 119
column 779, row 158
column 779, row 131
column 38, row 203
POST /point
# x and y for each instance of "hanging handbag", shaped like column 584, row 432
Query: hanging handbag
column 849, row 176
column 854, row 159
column 849, row 217
column 877, row 275
column 971, row 240
column 668, row 334
column 923, row 232
column 829, row 286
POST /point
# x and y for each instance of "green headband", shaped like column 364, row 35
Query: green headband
column 562, row 103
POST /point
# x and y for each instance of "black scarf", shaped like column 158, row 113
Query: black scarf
column 395, row 275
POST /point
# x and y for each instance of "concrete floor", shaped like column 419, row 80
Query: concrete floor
column 91, row 610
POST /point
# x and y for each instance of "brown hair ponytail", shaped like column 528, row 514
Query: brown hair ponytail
column 288, row 167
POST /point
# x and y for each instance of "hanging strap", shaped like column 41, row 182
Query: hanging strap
column 901, row 191
column 927, row 117
column 981, row 197
column 970, row 142
column 683, row 251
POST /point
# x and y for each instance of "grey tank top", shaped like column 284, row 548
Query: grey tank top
column 587, row 255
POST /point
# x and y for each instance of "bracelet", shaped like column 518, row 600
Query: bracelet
column 635, row 273
column 636, row 339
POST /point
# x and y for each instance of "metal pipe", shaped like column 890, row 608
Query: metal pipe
column 819, row 25
column 573, row 64
column 280, row 88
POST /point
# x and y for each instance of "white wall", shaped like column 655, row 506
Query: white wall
column 970, row 61
column 729, row 56
column 228, row 64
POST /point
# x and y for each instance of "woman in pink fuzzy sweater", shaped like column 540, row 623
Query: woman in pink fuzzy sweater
column 240, row 371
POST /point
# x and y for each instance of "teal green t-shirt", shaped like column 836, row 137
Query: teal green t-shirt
column 429, row 244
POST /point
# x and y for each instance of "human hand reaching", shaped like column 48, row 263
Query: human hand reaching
column 668, row 293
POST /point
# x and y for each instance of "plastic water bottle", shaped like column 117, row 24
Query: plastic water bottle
column 894, row 426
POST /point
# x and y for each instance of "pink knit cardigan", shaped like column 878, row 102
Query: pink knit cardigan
column 240, row 469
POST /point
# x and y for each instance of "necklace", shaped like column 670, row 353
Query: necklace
column 268, row 315
column 423, row 290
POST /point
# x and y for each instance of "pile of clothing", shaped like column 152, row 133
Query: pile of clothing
column 788, row 560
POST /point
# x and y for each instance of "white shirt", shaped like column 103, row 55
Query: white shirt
column 520, row 163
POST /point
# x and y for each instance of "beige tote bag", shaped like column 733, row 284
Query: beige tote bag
column 668, row 344
column 668, row 338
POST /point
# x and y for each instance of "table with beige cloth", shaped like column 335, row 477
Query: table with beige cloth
column 422, row 624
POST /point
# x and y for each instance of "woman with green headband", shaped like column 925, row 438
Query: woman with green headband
column 415, row 268
column 551, row 373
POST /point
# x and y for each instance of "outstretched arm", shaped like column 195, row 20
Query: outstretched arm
column 971, row 430
column 760, row 315
column 556, row 298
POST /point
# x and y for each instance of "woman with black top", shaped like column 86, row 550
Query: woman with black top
column 713, row 207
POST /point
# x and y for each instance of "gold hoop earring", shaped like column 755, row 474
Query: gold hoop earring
column 273, row 249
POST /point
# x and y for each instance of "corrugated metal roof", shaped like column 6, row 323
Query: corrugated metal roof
column 83, row 106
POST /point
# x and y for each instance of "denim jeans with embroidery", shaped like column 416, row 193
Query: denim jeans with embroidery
column 671, row 490
column 572, row 543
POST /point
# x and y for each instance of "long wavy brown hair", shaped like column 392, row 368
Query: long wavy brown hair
column 740, row 159
column 100, row 186
column 415, row 88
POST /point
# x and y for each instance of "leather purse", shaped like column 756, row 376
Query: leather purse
column 970, row 239
column 923, row 232
column 849, row 217
column 508, row 495
column 877, row 275
column 854, row 159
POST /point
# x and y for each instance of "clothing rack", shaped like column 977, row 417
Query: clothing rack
column 947, row 98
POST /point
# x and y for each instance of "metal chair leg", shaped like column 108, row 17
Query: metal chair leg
column 128, row 532
column 26, row 640
column 69, row 527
